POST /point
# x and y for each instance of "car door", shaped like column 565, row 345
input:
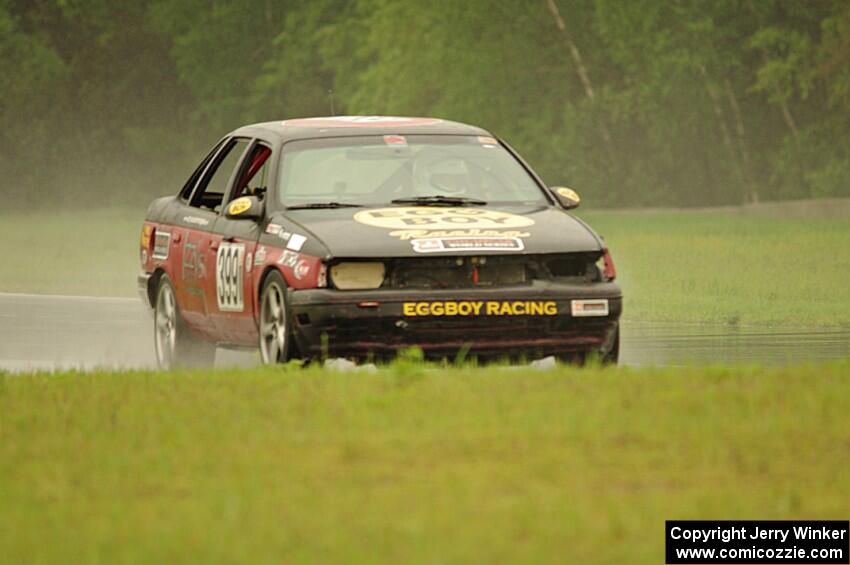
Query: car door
column 190, row 226
column 237, row 241
column 195, row 284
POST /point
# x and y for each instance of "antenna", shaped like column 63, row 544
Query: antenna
column 331, row 95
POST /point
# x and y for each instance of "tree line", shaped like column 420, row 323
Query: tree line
column 632, row 102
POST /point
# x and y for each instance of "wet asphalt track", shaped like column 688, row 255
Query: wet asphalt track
column 57, row 332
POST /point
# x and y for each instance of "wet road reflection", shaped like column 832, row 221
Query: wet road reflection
column 648, row 343
column 61, row 332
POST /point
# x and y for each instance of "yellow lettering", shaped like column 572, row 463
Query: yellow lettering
column 474, row 308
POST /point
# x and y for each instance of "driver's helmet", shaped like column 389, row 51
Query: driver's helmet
column 436, row 172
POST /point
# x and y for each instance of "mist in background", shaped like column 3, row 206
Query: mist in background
column 637, row 103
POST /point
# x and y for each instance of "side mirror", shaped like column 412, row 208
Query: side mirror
column 245, row 208
column 567, row 197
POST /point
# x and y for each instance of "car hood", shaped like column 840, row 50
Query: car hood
column 413, row 231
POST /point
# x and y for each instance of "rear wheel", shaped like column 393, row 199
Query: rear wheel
column 612, row 355
column 274, row 321
column 176, row 345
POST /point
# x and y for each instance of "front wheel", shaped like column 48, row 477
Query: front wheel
column 176, row 345
column 274, row 321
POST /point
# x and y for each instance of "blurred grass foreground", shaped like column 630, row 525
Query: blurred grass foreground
column 409, row 464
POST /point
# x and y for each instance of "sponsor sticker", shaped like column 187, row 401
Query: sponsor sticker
column 288, row 259
column 301, row 269
column 425, row 234
column 353, row 121
column 249, row 264
column 239, row 206
column 587, row 308
column 161, row 244
column 431, row 218
column 193, row 264
column 569, row 193
column 442, row 244
column 284, row 235
column 480, row 308
column 273, row 229
column 396, row 140
column 260, row 255
column 296, row 242
column 196, row 220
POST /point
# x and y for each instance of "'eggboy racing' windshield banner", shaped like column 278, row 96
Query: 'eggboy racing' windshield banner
column 755, row 541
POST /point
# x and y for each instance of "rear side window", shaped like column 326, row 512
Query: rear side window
column 186, row 191
column 254, row 175
column 213, row 186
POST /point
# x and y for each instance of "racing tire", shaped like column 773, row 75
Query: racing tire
column 175, row 344
column 612, row 356
column 274, row 332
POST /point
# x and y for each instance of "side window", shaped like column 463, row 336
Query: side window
column 186, row 191
column 213, row 185
column 254, row 176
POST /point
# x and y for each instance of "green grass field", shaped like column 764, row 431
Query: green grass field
column 410, row 466
column 679, row 267
column 90, row 253
column 709, row 267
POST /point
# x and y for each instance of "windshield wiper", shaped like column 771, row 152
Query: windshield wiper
column 318, row 205
column 440, row 200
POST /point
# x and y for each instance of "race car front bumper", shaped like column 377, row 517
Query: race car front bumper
column 519, row 322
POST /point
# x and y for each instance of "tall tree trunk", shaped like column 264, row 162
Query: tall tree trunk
column 574, row 52
column 783, row 105
column 750, row 192
column 581, row 70
column 789, row 119
column 721, row 122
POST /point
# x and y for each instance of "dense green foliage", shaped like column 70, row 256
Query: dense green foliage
column 408, row 465
column 683, row 102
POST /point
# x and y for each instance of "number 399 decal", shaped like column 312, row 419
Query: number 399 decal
column 228, row 277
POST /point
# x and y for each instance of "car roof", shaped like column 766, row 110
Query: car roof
column 341, row 126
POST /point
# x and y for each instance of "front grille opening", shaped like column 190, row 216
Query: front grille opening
column 489, row 271
column 499, row 273
column 430, row 273
column 574, row 267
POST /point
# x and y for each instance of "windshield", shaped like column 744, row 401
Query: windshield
column 378, row 169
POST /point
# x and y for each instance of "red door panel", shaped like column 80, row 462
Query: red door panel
column 229, row 291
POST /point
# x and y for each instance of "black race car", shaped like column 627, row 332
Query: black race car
column 359, row 236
